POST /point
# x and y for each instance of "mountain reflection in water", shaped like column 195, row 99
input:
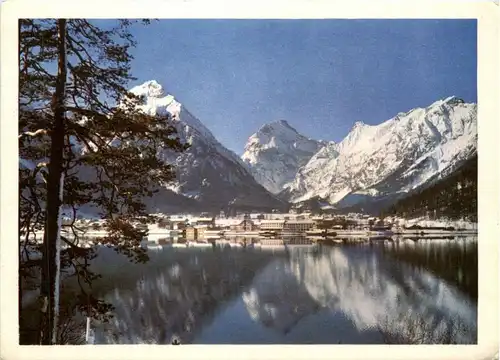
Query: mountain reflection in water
column 347, row 294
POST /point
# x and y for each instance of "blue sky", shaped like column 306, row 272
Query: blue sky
column 319, row 75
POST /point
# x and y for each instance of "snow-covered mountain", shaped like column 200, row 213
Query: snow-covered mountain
column 209, row 176
column 394, row 157
column 275, row 153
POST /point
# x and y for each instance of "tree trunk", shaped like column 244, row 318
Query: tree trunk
column 49, row 306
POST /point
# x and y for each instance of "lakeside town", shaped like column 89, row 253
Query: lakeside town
column 275, row 228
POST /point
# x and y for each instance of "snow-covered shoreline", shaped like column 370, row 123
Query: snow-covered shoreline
column 440, row 223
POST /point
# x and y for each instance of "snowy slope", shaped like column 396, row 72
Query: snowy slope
column 395, row 156
column 209, row 176
column 275, row 153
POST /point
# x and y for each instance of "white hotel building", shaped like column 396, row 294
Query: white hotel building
column 272, row 225
column 296, row 226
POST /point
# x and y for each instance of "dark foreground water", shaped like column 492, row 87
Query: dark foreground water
column 387, row 292
column 402, row 291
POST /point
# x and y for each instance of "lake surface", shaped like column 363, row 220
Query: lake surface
column 404, row 291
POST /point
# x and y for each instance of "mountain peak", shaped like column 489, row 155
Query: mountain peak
column 283, row 122
column 277, row 126
column 358, row 124
column 150, row 88
column 454, row 100
column 276, row 152
column 450, row 100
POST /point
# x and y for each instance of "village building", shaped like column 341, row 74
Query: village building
column 323, row 223
column 191, row 233
column 227, row 223
column 256, row 216
column 194, row 233
column 272, row 225
column 381, row 225
column 245, row 225
column 274, row 216
column 203, row 221
column 177, row 225
column 200, row 232
column 298, row 226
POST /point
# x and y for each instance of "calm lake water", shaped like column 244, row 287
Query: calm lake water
column 407, row 291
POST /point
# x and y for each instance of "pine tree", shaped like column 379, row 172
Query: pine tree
column 83, row 142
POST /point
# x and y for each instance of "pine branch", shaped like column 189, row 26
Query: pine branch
column 33, row 133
